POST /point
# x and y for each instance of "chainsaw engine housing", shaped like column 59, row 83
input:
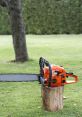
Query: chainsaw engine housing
column 54, row 75
column 58, row 75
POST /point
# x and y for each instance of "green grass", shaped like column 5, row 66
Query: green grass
column 23, row 99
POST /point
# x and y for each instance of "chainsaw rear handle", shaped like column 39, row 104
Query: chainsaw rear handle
column 43, row 63
column 71, row 75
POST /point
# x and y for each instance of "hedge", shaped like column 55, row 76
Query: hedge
column 47, row 17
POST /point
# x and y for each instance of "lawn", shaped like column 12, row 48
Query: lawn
column 23, row 99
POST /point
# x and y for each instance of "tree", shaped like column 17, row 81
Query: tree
column 18, row 30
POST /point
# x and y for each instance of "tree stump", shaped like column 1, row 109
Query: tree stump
column 52, row 98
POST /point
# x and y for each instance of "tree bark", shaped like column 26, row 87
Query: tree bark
column 3, row 3
column 52, row 98
column 18, row 29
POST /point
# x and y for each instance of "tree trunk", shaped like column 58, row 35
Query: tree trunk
column 52, row 98
column 18, row 30
column 4, row 3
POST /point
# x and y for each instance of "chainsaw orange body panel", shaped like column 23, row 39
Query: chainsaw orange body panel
column 58, row 76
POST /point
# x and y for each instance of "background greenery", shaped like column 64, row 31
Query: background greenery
column 23, row 99
column 62, row 50
column 47, row 17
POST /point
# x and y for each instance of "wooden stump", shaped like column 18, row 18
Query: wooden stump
column 52, row 98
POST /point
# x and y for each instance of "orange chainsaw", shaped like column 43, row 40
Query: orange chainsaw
column 50, row 75
column 54, row 75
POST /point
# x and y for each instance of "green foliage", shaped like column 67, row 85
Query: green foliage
column 48, row 17
column 4, row 22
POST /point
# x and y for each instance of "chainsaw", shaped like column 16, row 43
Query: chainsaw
column 50, row 75
column 54, row 75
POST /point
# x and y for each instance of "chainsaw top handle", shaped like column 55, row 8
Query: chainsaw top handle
column 43, row 63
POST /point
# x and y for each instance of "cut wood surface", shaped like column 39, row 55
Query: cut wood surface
column 52, row 98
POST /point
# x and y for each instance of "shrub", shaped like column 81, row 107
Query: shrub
column 47, row 17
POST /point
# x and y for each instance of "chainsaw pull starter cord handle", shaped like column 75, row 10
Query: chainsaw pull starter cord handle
column 43, row 63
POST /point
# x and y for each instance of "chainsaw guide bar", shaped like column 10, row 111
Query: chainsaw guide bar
column 18, row 77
